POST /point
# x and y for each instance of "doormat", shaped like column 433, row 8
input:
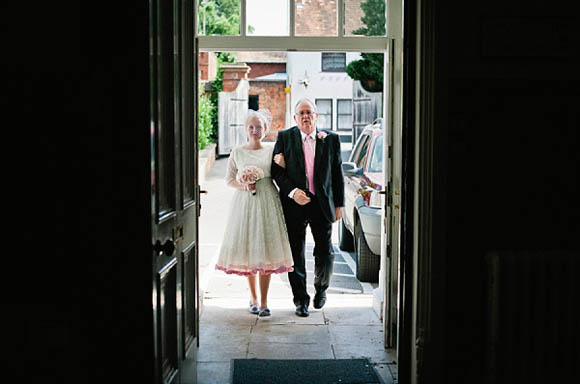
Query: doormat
column 345, row 371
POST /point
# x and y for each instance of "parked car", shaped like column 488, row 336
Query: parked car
column 360, row 227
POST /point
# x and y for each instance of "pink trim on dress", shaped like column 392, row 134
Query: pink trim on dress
column 254, row 270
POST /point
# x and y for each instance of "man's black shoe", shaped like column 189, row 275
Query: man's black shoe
column 319, row 301
column 302, row 310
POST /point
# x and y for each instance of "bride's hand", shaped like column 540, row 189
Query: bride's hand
column 279, row 159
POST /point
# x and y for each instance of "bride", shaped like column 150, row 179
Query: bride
column 255, row 242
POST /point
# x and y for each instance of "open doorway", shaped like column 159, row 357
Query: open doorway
column 332, row 45
column 350, row 325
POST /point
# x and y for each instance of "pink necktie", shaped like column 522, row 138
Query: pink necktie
column 309, row 163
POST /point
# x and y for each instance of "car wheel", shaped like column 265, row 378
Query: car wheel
column 367, row 263
column 346, row 241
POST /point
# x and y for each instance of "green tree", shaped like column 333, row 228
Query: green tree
column 370, row 67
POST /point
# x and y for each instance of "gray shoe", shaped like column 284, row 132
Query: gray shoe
column 254, row 308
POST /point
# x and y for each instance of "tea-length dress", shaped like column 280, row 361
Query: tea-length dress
column 255, row 238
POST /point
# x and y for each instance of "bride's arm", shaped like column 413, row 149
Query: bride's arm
column 231, row 176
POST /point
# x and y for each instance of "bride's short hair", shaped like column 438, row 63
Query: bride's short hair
column 263, row 115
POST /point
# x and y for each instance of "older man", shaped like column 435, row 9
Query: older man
column 312, row 193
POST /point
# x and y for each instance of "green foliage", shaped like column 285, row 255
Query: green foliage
column 374, row 18
column 370, row 67
column 206, row 117
column 220, row 17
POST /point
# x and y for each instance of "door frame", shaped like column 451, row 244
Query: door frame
column 401, row 23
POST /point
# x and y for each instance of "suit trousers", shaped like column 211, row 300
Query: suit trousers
column 321, row 229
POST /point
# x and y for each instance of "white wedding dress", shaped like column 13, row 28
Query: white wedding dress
column 255, row 238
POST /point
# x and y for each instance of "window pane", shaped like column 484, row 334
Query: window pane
column 219, row 17
column 324, row 108
column 344, row 114
column 324, row 122
column 376, row 163
column 372, row 10
column 333, row 62
column 344, row 121
column 355, row 153
column 316, row 18
column 361, row 156
column 267, row 18
column 345, row 106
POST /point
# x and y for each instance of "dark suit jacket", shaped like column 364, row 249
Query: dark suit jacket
column 328, row 177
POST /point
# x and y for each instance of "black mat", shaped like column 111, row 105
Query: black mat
column 347, row 371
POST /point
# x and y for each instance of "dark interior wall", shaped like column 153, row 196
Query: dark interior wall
column 115, row 212
column 508, row 100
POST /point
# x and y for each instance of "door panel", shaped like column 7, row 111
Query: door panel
column 167, row 320
column 174, row 189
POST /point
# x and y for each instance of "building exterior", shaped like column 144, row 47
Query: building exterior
column 321, row 77
column 268, row 81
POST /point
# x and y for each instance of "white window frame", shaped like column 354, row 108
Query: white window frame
column 338, row 43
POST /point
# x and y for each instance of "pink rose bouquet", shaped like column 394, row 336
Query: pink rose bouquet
column 250, row 175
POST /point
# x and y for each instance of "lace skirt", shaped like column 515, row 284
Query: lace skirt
column 255, row 238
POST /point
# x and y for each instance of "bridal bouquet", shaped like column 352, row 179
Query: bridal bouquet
column 250, row 174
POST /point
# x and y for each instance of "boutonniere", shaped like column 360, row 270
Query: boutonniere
column 322, row 135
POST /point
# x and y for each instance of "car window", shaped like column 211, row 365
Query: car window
column 357, row 150
column 376, row 162
column 361, row 157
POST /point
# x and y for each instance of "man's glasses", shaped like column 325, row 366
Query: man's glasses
column 306, row 113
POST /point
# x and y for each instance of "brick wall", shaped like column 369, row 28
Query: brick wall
column 232, row 74
column 271, row 96
column 262, row 69
column 318, row 17
column 207, row 66
column 353, row 13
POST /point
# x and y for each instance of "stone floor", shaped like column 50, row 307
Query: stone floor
column 347, row 327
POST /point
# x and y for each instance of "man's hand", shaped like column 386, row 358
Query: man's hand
column 300, row 197
column 279, row 159
column 337, row 213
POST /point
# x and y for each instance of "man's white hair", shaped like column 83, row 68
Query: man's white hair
column 305, row 100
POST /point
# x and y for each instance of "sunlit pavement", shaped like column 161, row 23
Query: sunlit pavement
column 347, row 326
